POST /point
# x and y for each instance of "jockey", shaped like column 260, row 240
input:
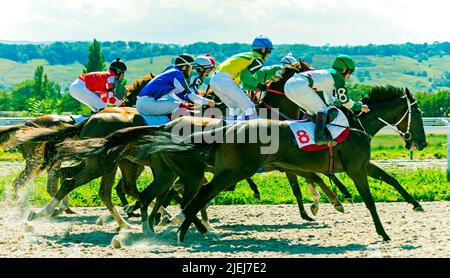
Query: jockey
column 169, row 90
column 267, row 73
column 204, row 65
column 83, row 88
column 316, row 90
column 240, row 68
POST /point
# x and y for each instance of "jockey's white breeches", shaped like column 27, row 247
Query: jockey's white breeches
column 148, row 106
column 297, row 89
column 79, row 91
column 232, row 95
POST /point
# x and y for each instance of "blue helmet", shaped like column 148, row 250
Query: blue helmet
column 262, row 42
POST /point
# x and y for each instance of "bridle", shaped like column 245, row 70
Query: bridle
column 405, row 135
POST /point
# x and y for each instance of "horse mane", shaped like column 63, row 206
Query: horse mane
column 383, row 93
column 139, row 84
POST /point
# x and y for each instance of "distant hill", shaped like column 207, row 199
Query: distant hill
column 428, row 75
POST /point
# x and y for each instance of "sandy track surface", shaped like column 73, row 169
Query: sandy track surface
column 245, row 231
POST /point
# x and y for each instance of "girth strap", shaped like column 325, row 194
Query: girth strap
column 331, row 158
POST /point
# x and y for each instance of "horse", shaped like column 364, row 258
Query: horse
column 234, row 161
column 36, row 155
column 96, row 126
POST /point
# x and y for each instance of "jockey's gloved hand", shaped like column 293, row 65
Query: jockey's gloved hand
column 262, row 86
column 365, row 108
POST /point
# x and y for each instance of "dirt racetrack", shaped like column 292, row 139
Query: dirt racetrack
column 245, row 231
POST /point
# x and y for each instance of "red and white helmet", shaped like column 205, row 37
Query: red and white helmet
column 205, row 61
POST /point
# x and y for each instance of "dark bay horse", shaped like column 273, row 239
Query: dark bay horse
column 236, row 161
column 390, row 103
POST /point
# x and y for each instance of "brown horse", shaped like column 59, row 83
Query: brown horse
column 36, row 154
column 235, row 161
column 102, row 126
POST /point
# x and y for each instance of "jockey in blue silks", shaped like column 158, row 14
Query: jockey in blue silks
column 169, row 90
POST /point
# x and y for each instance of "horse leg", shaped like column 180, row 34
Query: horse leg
column 359, row 177
column 130, row 173
column 376, row 172
column 333, row 199
column 254, row 187
column 220, row 182
column 165, row 216
column 315, row 196
column 348, row 197
column 105, row 195
column 25, row 175
column 163, row 180
column 120, row 193
column 205, row 220
column 52, row 188
column 76, row 176
column 293, row 182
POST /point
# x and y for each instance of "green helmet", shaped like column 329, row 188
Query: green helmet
column 344, row 62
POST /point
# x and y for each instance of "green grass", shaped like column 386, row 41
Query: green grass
column 393, row 147
column 13, row 72
column 423, row 185
column 12, row 155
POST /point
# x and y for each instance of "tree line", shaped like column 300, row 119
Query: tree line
column 71, row 52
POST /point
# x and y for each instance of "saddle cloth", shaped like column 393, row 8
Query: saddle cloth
column 156, row 120
column 303, row 131
column 79, row 118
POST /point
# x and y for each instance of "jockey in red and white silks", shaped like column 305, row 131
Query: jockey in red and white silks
column 84, row 87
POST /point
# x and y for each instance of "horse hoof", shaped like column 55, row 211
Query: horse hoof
column 57, row 212
column 128, row 208
column 164, row 221
column 386, row 238
column 32, row 216
column 69, row 211
column 314, row 209
column 257, row 197
column 339, row 208
column 418, row 208
column 100, row 221
column 307, row 218
column 116, row 242
column 350, row 200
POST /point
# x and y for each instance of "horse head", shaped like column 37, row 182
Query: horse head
column 397, row 108
column 133, row 91
column 414, row 126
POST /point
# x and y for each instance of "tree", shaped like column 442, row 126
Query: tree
column 96, row 60
column 39, row 89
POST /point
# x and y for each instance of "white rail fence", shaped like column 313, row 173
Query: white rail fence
column 432, row 126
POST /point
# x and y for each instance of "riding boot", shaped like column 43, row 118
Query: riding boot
column 319, row 132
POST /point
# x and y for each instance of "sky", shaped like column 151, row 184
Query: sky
column 313, row 22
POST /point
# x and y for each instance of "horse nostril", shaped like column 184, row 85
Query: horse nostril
column 424, row 144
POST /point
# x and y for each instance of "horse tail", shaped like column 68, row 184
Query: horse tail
column 138, row 142
column 41, row 135
column 7, row 133
column 164, row 141
column 103, row 146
